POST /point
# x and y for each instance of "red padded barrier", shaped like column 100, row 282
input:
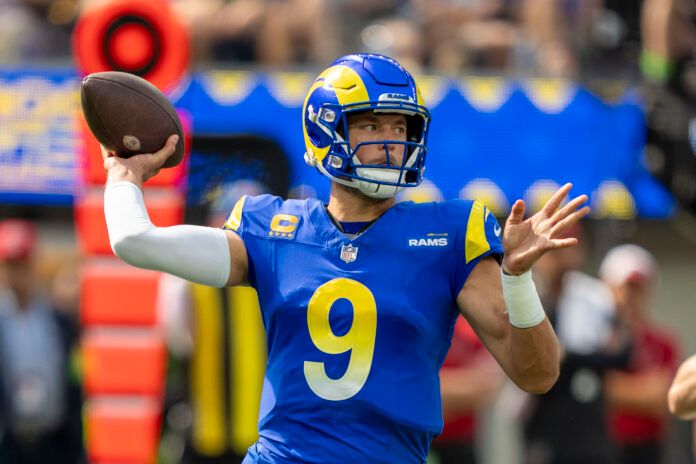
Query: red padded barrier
column 124, row 361
column 122, row 430
column 114, row 293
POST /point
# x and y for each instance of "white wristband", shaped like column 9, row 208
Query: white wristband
column 522, row 301
column 195, row 253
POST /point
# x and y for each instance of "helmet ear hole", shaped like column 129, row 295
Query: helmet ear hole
column 414, row 128
column 342, row 125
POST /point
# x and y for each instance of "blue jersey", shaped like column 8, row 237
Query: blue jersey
column 357, row 329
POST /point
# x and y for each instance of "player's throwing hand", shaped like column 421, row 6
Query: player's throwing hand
column 138, row 168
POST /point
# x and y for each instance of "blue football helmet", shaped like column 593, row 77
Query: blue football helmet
column 357, row 83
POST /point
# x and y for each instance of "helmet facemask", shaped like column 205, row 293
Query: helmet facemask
column 382, row 180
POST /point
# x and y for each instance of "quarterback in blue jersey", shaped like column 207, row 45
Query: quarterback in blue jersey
column 359, row 296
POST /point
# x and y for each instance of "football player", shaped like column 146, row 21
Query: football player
column 359, row 296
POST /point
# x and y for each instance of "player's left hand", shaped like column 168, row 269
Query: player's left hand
column 525, row 241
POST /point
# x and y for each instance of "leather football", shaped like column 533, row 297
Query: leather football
column 129, row 115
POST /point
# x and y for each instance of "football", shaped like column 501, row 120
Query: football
column 129, row 115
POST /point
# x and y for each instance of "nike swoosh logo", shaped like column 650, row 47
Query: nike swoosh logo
column 497, row 230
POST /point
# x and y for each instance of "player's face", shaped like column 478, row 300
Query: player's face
column 370, row 127
column 633, row 297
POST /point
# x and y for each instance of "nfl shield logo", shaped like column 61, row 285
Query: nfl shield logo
column 349, row 253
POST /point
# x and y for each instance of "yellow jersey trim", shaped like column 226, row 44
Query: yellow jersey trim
column 476, row 243
column 235, row 218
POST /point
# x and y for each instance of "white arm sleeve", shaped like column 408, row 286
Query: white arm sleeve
column 195, row 253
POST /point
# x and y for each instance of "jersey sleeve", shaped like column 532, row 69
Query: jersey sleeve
column 482, row 237
column 234, row 223
column 248, row 219
column 234, row 220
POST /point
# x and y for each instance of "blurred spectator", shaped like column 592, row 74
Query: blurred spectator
column 65, row 290
column 581, row 310
column 36, row 29
column 549, row 27
column 469, row 380
column 296, row 31
column 540, row 37
column 467, row 34
column 221, row 30
column 397, row 37
column 276, row 33
column 583, row 39
column 40, row 402
column 668, row 64
column 669, row 39
column 354, row 19
column 637, row 397
column 588, row 38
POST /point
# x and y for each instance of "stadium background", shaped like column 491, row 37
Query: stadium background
column 495, row 136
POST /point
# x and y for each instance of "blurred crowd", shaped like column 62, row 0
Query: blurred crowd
column 567, row 38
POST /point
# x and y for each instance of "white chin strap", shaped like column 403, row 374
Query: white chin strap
column 371, row 189
column 374, row 190
column 392, row 176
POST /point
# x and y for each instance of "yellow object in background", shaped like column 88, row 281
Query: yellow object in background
column 227, row 369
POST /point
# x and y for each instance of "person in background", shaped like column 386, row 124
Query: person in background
column 637, row 397
column 669, row 40
column 33, row 30
column 397, row 36
column 356, row 31
column 64, row 292
column 40, row 404
column 582, row 312
column 470, row 379
column 274, row 33
column 463, row 35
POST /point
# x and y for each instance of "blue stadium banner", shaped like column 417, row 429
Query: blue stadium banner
column 496, row 139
